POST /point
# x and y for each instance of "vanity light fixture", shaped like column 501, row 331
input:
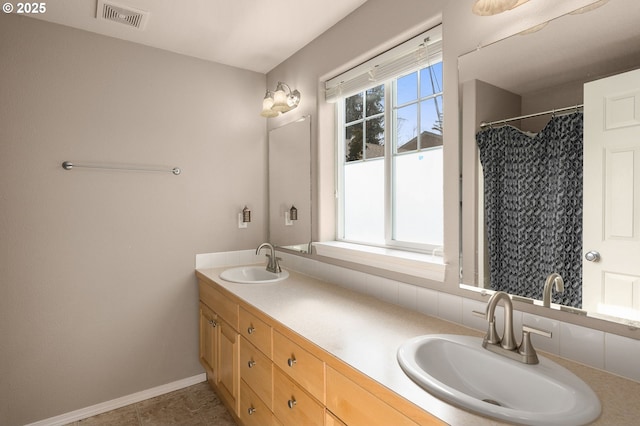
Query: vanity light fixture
column 279, row 101
column 493, row 7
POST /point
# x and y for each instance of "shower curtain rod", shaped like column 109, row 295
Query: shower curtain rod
column 537, row 114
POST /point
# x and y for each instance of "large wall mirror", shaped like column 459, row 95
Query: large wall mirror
column 290, row 185
column 580, row 211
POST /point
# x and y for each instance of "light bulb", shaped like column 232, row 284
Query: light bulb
column 267, row 104
column 280, row 103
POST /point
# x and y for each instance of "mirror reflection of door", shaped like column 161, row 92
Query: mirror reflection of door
column 611, row 239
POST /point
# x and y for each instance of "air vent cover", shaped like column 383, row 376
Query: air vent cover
column 108, row 11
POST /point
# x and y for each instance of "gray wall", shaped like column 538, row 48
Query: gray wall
column 98, row 298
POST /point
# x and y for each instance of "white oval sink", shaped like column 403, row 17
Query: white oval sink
column 252, row 275
column 459, row 370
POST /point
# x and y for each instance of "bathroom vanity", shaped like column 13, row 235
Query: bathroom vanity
column 302, row 351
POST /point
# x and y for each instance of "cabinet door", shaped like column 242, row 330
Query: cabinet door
column 208, row 340
column 228, row 368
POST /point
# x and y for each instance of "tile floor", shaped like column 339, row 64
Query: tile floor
column 196, row 405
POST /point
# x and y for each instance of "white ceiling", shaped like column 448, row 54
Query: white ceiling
column 252, row 34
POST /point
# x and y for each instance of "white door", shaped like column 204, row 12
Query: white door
column 611, row 282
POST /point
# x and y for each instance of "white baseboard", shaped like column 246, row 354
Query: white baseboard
column 103, row 407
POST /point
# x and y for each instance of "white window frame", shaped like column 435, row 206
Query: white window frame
column 390, row 113
column 429, row 265
column 393, row 154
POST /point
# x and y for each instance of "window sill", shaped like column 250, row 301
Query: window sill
column 404, row 262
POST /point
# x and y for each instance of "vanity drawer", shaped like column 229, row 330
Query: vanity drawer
column 299, row 364
column 256, row 369
column 253, row 411
column 356, row 406
column 292, row 405
column 256, row 331
column 219, row 303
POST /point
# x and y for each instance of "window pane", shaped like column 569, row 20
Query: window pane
column 375, row 100
column 353, row 142
column 407, row 88
column 364, row 202
column 353, row 108
column 375, row 138
column 431, row 80
column 418, row 205
column 407, row 128
column 431, row 121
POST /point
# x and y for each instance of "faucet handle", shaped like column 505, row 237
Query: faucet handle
column 539, row 332
column 526, row 349
column 482, row 315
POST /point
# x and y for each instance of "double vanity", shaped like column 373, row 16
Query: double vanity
column 285, row 348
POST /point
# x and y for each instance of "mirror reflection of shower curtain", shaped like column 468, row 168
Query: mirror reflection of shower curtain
column 533, row 207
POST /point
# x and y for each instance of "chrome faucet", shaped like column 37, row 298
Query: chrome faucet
column 546, row 292
column 508, row 340
column 506, row 345
column 272, row 264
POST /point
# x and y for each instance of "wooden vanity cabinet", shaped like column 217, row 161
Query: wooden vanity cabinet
column 266, row 374
column 219, row 343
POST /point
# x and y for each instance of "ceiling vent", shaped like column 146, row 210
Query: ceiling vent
column 125, row 15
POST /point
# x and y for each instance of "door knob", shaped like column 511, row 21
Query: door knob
column 592, row 256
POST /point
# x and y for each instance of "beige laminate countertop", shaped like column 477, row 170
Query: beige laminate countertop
column 365, row 333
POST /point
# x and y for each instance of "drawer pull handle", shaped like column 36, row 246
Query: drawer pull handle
column 213, row 323
column 292, row 402
column 251, row 410
column 251, row 363
column 250, row 330
column 291, row 361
